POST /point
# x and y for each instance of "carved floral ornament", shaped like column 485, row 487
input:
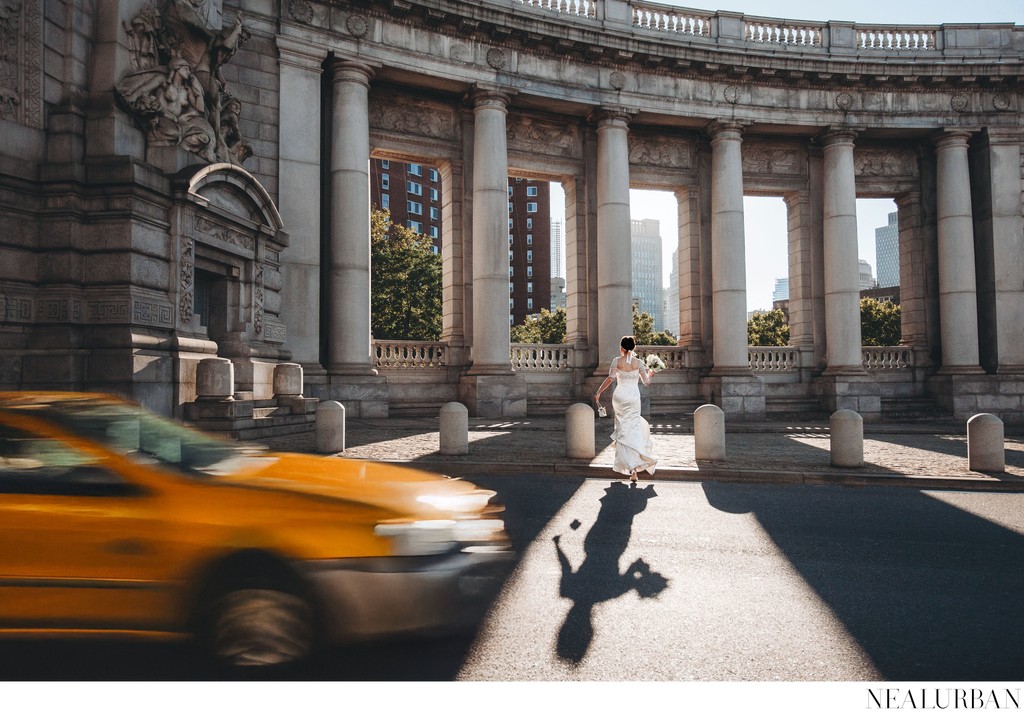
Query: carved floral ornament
column 883, row 162
column 411, row 117
column 301, row 10
column 176, row 90
column 20, row 62
column 496, row 58
column 525, row 133
column 773, row 160
column 659, row 151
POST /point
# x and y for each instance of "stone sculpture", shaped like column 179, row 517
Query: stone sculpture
column 176, row 89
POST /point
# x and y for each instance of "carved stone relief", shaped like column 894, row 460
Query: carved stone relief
column 527, row 134
column 416, row 117
column 176, row 90
column 660, row 151
column 20, row 57
column 773, row 160
column 257, row 312
column 208, row 229
column 186, row 282
column 884, row 162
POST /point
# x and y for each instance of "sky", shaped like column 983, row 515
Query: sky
column 765, row 218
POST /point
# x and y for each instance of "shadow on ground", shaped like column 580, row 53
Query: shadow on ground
column 929, row 591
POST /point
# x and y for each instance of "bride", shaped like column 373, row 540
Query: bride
column 634, row 450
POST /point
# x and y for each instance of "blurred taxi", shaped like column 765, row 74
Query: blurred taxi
column 116, row 521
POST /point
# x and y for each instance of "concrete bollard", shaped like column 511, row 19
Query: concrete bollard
column 986, row 451
column 579, row 432
column 215, row 380
column 846, row 439
column 288, row 380
column 454, row 434
column 330, row 427
column 709, row 433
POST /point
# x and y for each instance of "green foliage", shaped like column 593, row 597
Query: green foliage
column 768, row 328
column 643, row 330
column 405, row 280
column 879, row 322
column 546, row 327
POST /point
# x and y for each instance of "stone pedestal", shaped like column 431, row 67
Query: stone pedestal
column 364, row 396
column 739, row 396
column 453, row 436
column 859, row 393
column 494, row 395
column 968, row 395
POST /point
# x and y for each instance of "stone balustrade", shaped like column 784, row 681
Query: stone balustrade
column 782, row 32
column 895, row 39
column 898, row 357
column 410, row 354
column 580, row 8
column 676, row 20
column 773, row 359
column 531, row 357
column 675, row 358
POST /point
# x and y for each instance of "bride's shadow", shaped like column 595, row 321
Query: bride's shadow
column 598, row 579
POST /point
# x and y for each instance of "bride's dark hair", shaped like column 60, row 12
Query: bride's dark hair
column 628, row 343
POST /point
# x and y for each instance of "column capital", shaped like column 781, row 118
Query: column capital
column 300, row 54
column 725, row 129
column 950, row 138
column 490, row 96
column 1004, row 136
column 907, row 199
column 834, row 136
column 345, row 70
column 612, row 115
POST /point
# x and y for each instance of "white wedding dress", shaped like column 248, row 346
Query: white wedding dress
column 634, row 450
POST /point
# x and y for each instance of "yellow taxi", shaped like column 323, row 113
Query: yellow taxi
column 114, row 520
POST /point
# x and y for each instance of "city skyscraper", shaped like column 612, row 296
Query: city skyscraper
column 671, row 309
column 887, row 253
column 781, row 291
column 867, row 279
column 647, row 278
column 557, row 250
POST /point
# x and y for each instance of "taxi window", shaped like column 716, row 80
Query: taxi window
column 33, row 464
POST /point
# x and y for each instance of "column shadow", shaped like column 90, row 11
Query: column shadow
column 597, row 579
column 928, row 590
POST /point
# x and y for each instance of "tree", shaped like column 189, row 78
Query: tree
column 405, row 279
column 879, row 322
column 768, row 328
column 643, row 330
column 545, row 327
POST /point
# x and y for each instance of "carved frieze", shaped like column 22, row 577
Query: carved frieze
column 773, row 160
column 660, row 151
column 210, row 230
column 884, row 162
column 257, row 311
column 532, row 135
column 149, row 313
column 176, row 89
column 274, row 332
column 412, row 116
column 16, row 308
column 20, row 58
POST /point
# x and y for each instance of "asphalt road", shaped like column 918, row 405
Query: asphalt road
column 679, row 581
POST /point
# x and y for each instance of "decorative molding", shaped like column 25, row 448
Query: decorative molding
column 107, row 311
column 844, row 100
column 274, row 332
column 731, row 93
column 186, row 281
column 15, row 308
column 527, row 134
column 301, row 10
column 885, row 162
column 617, row 80
column 772, row 160
column 959, row 102
column 415, row 117
column 659, row 151
column 257, row 312
column 207, row 229
column 357, row 25
column 151, row 313
column 1001, row 102
column 496, row 58
column 20, row 62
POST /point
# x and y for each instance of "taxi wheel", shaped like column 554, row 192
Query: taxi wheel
column 260, row 627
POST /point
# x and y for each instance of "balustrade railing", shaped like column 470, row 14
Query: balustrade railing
column 675, row 358
column 676, row 20
column 781, row 32
column 898, row 357
column 773, row 359
column 409, row 354
column 895, row 39
column 535, row 356
column 579, row 8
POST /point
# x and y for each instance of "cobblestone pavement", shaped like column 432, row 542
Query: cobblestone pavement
column 917, row 454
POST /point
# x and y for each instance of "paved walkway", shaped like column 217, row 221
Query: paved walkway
column 919, row 455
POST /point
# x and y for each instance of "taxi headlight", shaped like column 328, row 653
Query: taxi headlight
column 436, row 536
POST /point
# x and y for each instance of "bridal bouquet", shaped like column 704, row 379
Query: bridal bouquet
column 654, row 363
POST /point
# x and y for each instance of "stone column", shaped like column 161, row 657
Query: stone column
column 913, row 276
column 688, row 268
column 958, row 299
column 348, row 339
column 842, row 273
column 299, row 198
column 490, row 388
column 490, row 235
column 801, row 328
column 614, row 245
column 728, row 263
